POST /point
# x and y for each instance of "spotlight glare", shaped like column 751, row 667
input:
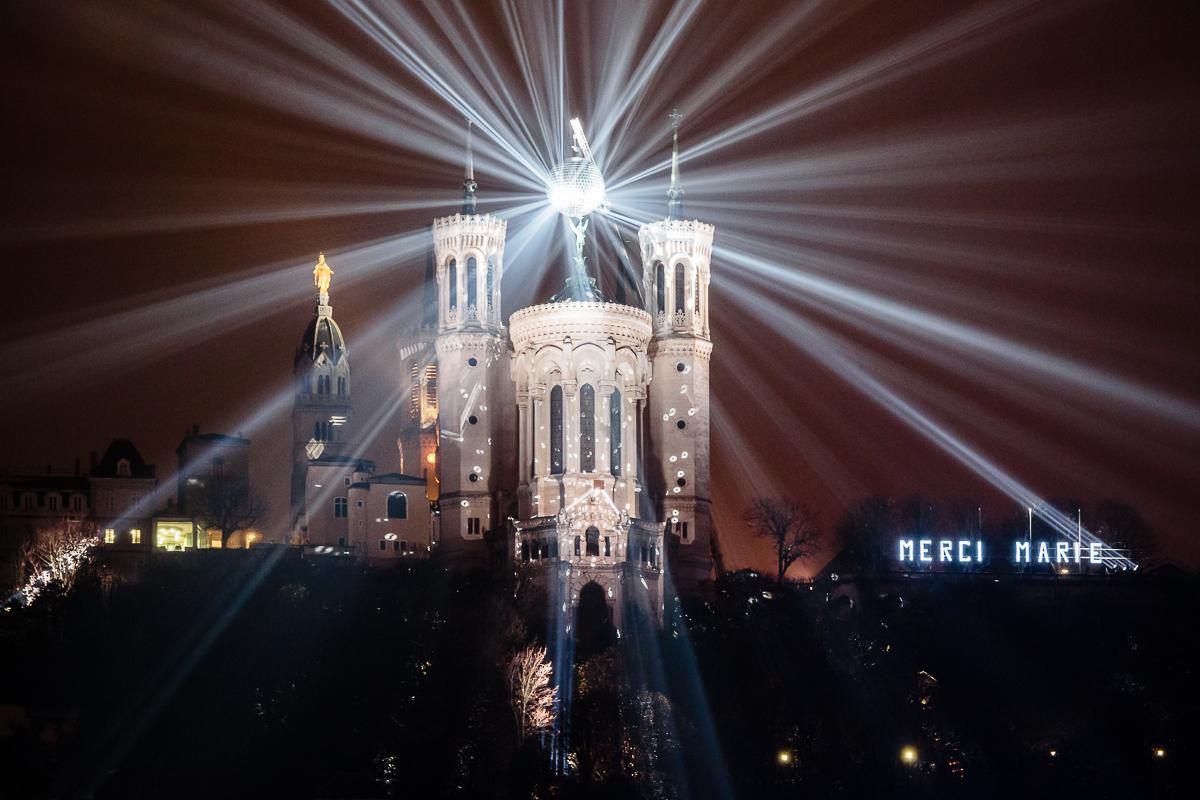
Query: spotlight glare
column 575, row 188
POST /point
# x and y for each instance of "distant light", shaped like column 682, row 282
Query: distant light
column 1160, row 752
column 784, row 757
column 431, row 458
column 1053, row 753
column 908, row 755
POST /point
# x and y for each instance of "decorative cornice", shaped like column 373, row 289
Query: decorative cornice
column 581, row 322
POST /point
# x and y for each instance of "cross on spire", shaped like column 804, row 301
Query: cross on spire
column 675, row 193
column 469, row 185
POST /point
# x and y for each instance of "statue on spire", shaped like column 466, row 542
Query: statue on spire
column 322, row 274
column 675, row 193
column 469, row 185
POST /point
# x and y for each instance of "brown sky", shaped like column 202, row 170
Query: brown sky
column 1076, row 235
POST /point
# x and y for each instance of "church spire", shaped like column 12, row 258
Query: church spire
column 469, row 185
column 675, row 193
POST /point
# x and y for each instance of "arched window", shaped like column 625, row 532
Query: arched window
column 660, row 284
column 341, row 386
column 123, row 468
column 397, row 505
column 491, row 286
column 472, row 284
column 614, row 432
column 696, row 294
column 593, row 541
column 680, row 283
column 587, row 428
column 556, row 431
column 452, row 288
column 322, row 384
column 576, row 545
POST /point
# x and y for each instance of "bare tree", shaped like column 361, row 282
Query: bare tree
column 789, row 524
column 225, row 503
column 530, row 693
column 55, row 554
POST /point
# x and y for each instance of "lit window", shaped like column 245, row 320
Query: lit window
column 472, row 284
column 397, row 505
column 556, row 431
column 491, row 285
column 660, row 286
column 614, row 432
column 135, row 535
column 110, row 535
column 587, row 428
column 339, row 507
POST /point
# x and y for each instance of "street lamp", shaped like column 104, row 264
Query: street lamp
column 908, row 755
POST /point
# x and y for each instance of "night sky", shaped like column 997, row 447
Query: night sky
column 1034, row 178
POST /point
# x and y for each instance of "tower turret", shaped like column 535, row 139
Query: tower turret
column 676, row 255
column 471, row 392
column 321, row 409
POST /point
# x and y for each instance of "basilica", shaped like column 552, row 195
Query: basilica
column 571, row 438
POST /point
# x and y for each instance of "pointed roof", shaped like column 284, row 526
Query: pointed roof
column 322, row 336
column 469, row 184
column 675, row 193
column 122, row 450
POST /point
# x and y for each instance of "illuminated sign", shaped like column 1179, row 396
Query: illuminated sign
column 971, row 551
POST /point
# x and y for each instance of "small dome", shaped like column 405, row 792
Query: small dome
column 322, row 337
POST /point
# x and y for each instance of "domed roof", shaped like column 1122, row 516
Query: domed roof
column 322, row 337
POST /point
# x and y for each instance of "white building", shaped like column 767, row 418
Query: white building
column 571, row 440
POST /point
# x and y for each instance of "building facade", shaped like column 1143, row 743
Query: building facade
column 570, row 441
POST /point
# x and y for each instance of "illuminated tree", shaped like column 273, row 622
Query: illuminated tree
column 55, row 554
column 225, row 503
column 530, row 693
column 790, row 525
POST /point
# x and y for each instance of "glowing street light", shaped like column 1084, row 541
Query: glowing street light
column 1160, row 752
column 908, row 755
column 784, row 758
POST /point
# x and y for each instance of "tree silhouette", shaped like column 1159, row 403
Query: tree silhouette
column 225, row 503
column 789, row 524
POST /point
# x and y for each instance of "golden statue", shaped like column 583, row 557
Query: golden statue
column 322, row 274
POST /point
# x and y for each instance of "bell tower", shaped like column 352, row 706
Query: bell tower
column 676, row 257
column 470, row 340
column 321, row 409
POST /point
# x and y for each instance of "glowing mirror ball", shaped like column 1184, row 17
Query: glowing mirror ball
column 576, row 187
